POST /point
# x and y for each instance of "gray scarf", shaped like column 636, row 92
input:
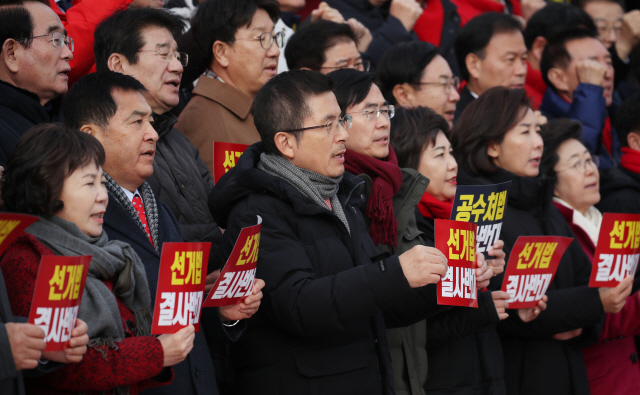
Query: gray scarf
column 111, row 260
column 311, row 184
column 150, row 207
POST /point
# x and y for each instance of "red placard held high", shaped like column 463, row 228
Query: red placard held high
column 225, row 157
column 533, row 263
column 57, row 296
column 181, row 281
column 237, row 277
column 457, row 241
column 618, row 249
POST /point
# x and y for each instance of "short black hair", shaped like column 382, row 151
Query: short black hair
column 555, row 53
column 486, row 120
column 554, row 133
column 122, row 32
column 403, row 63
column 628, row 119
column 352, row 87
column 282, row 104
column 90, row 100
column 44, row 157
column 16, row 22
column 477, row 33
column 413, row 129
column 307, row 47
column 219, row 20
column 553, row 19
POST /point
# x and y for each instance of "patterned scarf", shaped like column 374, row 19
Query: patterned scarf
column 311, row 184
column 150, row 207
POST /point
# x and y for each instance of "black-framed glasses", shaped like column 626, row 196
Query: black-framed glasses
column 374, row 113
column 449, row 84
column 333, row 126
column 267, row 39
column 581, row 166
column 360, row 65
column 167, row 55
column 58, row 39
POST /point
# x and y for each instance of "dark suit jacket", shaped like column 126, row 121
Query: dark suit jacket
column 195, row 375
column 465, row 99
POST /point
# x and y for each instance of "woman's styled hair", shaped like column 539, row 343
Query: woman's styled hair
column 412, row 130
column 485, row 121
column 554, row 133
column 44, row 157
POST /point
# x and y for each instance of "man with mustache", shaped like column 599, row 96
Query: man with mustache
column 578, row 71
column 321, row 328
column 34, row 63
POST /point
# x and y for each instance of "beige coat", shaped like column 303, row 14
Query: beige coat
column 217, row 112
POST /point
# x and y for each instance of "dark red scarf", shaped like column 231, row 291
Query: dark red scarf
column 630, row 159
column 430, row 207
column 387, row 179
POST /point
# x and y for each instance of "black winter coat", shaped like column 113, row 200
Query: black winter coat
column 620, row 191
column 320, row 327
column 465, row 355
column 534, row 362
column 19, row 111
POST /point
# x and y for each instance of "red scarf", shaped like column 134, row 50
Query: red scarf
column 630, row 159
column 429, row 26
column 387, row 179
column 430, row 207
column 607, row 139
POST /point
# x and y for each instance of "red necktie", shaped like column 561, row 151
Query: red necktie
column 137, row 204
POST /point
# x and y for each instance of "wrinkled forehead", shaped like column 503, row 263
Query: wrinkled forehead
column 587, row 48
column 44, row 19
column 155, row 37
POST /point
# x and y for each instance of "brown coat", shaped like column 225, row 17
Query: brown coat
column 217, row 112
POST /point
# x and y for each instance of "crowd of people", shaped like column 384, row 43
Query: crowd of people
column 360, row 119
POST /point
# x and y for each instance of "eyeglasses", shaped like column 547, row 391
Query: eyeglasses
column 267, row 39
column 167, row 55
column 360, row 65
column 332, row 126
column 604, row 28
column 387, row 111
column 448, row 84
column 58, row 39
column 581, row 167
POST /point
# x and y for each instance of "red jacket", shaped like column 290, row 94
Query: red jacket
column 134, row 363
column 80, row 21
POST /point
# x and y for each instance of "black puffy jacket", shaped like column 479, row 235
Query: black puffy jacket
column 619, row 191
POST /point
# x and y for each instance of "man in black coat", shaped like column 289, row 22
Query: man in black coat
column 111, row 107
column 321, row 329
column 34, row 62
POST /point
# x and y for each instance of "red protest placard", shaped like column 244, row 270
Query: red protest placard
column 57, row 297
column 236, row 279
column 225, row 156
column 618, row 249
column 457, row 241
column 533, row 263
column 181, row 281
column 11, row 225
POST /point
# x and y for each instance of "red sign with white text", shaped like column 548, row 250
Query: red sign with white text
column 225, row 156
column 183, row 274
column 237, row 277
column 457, row 241
column 618, row 250
column 57, row 296
column 533, row 263
column 11, row 225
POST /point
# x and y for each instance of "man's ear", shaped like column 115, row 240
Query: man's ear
column 559, row 78
column 286, row 144
column 220, row 53
column 118, row 63
column 537, row 47
column 473, row 63
column 94, row 130
column 404, row 94
column 11, row 54
column 633, row 140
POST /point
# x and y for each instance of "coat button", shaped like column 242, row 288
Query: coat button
column 407, row 235
column 196, row 372
column 423, row 181
column 183, row 187
column 634, row 358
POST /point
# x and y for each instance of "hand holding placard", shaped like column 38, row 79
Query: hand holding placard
column 423, row 265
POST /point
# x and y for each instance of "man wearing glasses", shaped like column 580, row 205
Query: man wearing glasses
column 320, row 329
column 241, row 51
column 33, row 68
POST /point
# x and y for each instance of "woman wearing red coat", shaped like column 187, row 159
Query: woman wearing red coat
column 57, row 175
